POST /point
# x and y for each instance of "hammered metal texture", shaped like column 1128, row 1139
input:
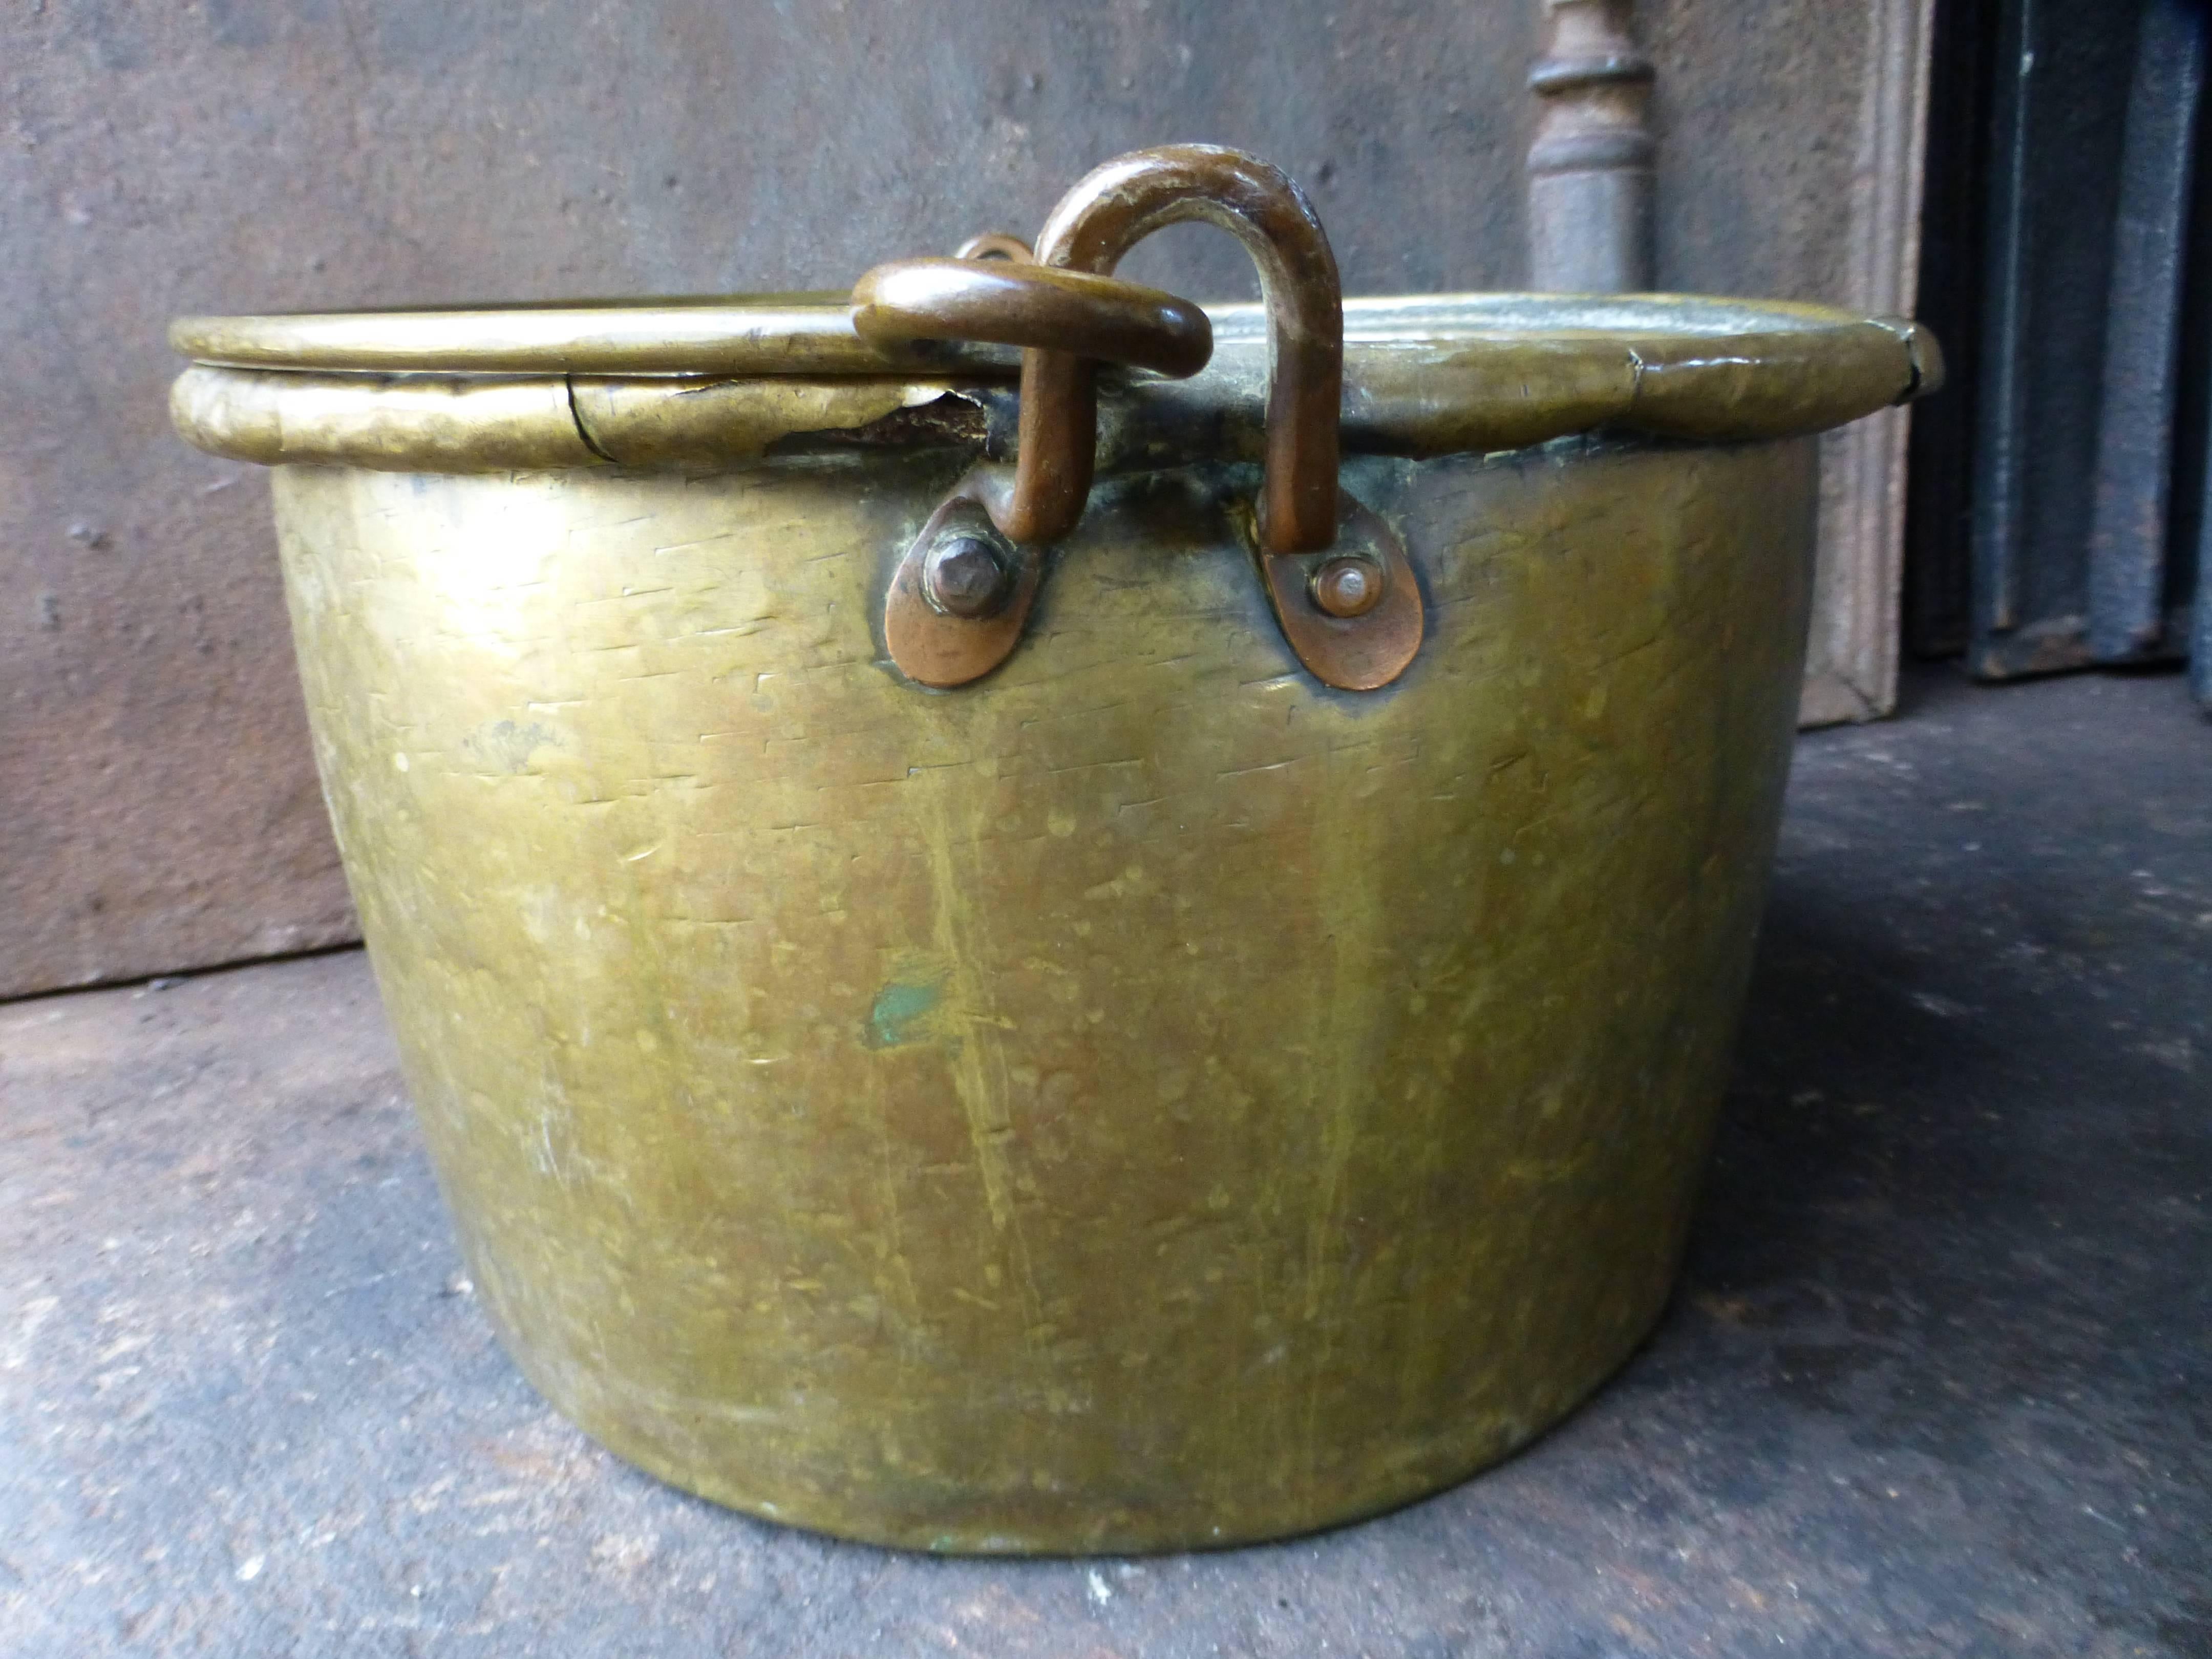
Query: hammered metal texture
column 1424, row 375
column 1143, row 1099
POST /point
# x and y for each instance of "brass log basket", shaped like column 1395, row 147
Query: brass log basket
column 1026, row 918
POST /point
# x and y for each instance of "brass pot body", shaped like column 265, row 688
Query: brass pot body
column 1142, row 1099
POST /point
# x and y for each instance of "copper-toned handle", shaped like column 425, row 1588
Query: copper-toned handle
column 1007, row 303
column 1336, row 575
column 1106, row 214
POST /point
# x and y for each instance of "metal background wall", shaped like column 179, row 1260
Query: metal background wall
column 158, row 808
column 2060, row 500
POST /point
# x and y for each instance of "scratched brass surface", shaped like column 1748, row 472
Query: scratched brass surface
column 735, row 334
column 1142, row 1099
column 1426, row 375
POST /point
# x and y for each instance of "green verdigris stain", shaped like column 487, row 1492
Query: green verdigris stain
column 504, row 746
column 899, row 1008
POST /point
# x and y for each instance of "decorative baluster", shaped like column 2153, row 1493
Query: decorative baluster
column 1589, row 168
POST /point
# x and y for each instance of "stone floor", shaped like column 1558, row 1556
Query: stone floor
column 1939, row 1380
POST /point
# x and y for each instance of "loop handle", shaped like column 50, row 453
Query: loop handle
column 1336, row 576
column 1108, row 213
column 1007, row 303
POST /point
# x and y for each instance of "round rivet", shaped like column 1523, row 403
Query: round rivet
column 964, row 575
column 1347, row 587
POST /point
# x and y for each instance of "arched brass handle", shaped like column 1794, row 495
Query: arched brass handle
column 1108, row 213
column 1008, row 303
column 1336, row 576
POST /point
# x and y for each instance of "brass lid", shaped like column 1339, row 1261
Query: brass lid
column 707, row 381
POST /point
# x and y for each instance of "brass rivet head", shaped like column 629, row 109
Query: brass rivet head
column 964, row 575
column 1346, row 586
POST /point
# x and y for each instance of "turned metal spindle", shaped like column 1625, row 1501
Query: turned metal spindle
column 1589, row 168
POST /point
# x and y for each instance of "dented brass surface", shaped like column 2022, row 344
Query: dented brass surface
column 1435, row 375
column 1146, row 1099
column 1241, row 1062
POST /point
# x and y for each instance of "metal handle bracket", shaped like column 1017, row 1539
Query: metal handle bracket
column 1342, row 589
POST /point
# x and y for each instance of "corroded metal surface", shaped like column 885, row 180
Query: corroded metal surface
column 1353, row 612
column 1147, row 1098
column 943, row 646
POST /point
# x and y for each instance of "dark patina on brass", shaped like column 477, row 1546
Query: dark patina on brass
column 1109, row 212
column 964, row 575
column 1354, row 639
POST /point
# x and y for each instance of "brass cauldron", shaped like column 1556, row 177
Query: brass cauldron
column 989, row 1007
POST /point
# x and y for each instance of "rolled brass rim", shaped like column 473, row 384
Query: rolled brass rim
column 807, row 334
column 1423, row 375
column 756, row 334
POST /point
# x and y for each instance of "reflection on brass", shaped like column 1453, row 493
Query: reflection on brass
column 1347, row 587
column 714, row 423
column 759, row 334
column 1144, row 1099
column 461, row 425
column 998, row 301
column 1151, row 1096
column 994, row 245
column 1434, row 375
